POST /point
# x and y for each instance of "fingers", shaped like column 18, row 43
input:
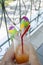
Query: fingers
column 33, row 58
column 9, row 54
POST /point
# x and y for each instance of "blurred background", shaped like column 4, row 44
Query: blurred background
column 11, row 12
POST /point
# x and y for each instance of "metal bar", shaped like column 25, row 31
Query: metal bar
column 3, row 9
column 20, row 10
column 36, row 17
column 6, row 27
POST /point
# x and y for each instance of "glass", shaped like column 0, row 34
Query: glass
column 21, row 52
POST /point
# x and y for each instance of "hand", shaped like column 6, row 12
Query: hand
column 8, row 58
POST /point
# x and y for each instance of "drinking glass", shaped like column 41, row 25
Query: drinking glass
column 21, row 50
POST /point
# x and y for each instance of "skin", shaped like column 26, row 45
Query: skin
column 8, row 58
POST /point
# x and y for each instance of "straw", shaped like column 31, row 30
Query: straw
column 25, row 31
column 23, row 35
